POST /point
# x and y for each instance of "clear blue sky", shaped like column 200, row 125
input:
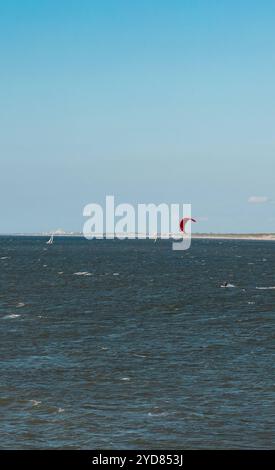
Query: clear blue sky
column 152, row 101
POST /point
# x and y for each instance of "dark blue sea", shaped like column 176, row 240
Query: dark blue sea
column 128, row 344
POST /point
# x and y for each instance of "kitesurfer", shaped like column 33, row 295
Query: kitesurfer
column 184, row 221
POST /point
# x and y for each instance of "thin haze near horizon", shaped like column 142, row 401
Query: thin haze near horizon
column 147, row 101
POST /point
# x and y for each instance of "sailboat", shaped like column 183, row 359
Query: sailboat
column 50, row 241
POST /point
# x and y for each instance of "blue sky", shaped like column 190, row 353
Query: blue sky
column 151, row 101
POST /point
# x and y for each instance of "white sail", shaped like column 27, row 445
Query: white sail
column 50, row 241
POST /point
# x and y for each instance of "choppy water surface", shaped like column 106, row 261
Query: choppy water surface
column 127, row 344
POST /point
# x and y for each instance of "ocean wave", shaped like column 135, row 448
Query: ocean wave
column 266, row 288
column 157, row 414
column 35, row 402
column 12, row 315
column 82, row 273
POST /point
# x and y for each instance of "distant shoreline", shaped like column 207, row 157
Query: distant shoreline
column 202, row 236
column 232, row 236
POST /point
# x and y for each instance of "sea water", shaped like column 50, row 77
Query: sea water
column 128, row 344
